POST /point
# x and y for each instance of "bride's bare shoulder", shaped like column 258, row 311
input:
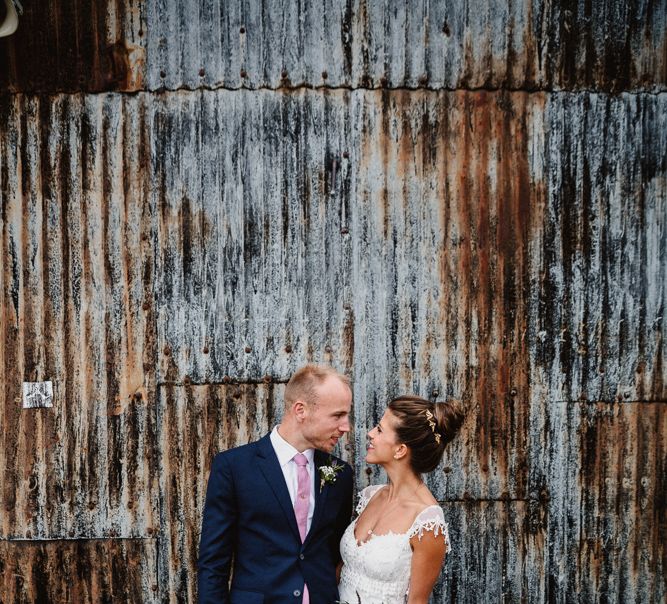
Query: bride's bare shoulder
column 425, row 497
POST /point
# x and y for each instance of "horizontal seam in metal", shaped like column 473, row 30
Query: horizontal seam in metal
column 163, row 90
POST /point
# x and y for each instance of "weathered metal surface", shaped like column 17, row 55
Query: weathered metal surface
column 173, row 44
column 423, row 241
column 608, row 508
column 81, row 571
column 76, row 45
column 500, row 562
column 505, row 248
column 197, row 421
column 253, row 271
column 76, row 274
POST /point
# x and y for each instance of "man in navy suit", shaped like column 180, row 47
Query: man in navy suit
column 260, row 501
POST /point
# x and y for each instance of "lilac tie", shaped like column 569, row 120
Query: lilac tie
column 301, row 503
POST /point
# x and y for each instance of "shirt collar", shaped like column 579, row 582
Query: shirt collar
column 284, row 451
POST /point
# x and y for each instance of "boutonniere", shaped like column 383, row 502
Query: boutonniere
column 328, row 473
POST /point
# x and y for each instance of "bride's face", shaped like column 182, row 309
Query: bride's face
column 381, row 440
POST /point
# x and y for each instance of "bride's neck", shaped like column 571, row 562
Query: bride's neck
column 402, row 482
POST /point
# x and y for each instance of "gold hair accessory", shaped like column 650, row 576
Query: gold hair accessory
column 431, row 422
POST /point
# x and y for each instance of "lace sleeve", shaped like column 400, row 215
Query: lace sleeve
column 365, row 495
column 431, row 519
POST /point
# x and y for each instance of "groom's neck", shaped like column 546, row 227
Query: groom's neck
column 293, row 436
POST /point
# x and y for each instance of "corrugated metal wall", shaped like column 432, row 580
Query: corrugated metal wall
column 449, row 198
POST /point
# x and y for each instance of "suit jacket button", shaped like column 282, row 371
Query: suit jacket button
column 301, row 556
column 297, row 593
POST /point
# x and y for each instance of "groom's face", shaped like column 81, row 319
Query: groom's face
column 328, row 418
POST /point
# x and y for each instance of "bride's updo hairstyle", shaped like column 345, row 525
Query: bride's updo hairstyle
column 425, row 428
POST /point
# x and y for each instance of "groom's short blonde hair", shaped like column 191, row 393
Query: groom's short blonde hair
column 303, row 384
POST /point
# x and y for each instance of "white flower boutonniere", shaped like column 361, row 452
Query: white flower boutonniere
column 328, row 473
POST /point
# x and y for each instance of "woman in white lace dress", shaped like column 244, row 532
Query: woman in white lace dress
column 393, row 551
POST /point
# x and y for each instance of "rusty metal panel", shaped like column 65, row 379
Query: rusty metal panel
column 196, row 422
column 77, row 286
column 600, row 257
column 173, row 44
column 401, row 44
column 75, row 46
column 81, row 571
column 447, row 191
column 155, row 246
column 607, row 512
column 498, row 552
column 253, row 258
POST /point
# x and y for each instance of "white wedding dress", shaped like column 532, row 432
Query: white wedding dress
column 377, row 571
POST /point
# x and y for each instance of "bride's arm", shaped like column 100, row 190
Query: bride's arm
column 427, row 558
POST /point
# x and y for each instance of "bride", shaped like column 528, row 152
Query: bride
column 393, row 551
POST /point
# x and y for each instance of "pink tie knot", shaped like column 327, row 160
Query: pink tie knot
column 300, row 459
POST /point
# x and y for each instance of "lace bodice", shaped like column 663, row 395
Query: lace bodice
column 377, row 571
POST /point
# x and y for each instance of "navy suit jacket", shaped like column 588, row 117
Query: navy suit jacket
column 249, row 523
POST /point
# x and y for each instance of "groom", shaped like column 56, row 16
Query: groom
column 277, row 508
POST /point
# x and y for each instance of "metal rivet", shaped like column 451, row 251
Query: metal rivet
column 447, row 470
column 248, row 349
column 141, row 33
column 513, row 392
column 435, row 393
column 243, row 73
column 267, row 379
column 226, row 379
column 149, row 530
column 242, row 30
column 327, row 349
column 345, row 155
column 186, row 379
column 369, row 471
column 202, row 73
column 163, row 74
column 205, row 350
column 288, row 349
column 325, row 75
column 167, row 350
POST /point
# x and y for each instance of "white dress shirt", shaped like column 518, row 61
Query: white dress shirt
column 286, row 453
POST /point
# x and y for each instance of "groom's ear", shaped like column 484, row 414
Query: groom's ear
column 299, row 410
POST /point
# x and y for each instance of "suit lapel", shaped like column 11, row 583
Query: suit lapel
column 321, row 459
column 273, row 473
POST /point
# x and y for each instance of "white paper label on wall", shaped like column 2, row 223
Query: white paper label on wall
column 37, row 394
